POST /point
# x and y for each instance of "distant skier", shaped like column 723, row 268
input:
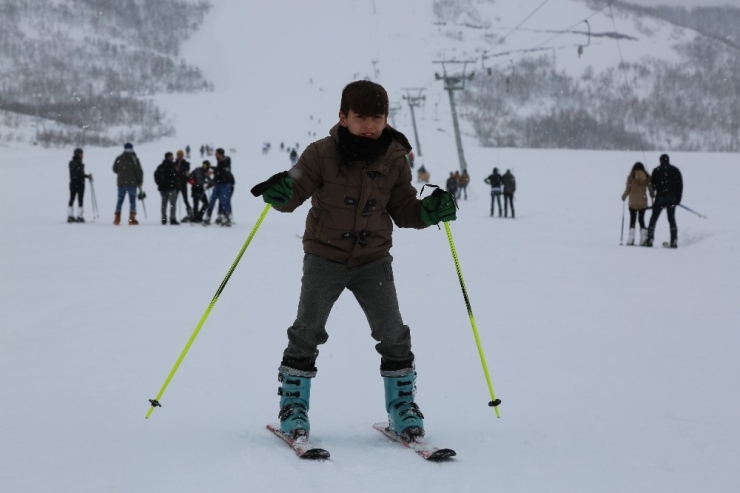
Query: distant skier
column 77, row 187
column 200, row 180
column 422, row 175
column 293, row 157
column 451, row 184
column 130, row 176
column 638, row 185
column 167, row 179
column 494, row 179
column 202, row 150
column 508, row 181
column 668, row 185
column 222, row 190
column 357, row 179
column 411, row 160
column 182, row 169
column 462, row 185
column 187, row 151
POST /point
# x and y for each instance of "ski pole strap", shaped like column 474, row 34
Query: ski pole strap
column 494, row 401
column 155, row 402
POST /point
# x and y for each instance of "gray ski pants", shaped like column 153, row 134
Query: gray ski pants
column 169, row 197
column 372, row 284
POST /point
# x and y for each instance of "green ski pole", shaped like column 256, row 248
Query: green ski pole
column 494, row 402
column 155, row 402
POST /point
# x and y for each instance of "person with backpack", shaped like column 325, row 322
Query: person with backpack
column 76, row 187
column 130, row 177
column 167, row 180
column 667, row 183
column 508, row 181
column 637, row 188
column 494, row 179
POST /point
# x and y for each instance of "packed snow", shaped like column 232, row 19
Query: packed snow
column 616, row 365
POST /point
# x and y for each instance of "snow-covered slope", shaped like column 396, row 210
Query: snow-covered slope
column 616, row 365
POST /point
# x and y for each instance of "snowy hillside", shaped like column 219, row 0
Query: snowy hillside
column 615, row 364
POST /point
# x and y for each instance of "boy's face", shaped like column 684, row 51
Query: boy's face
column 369, row 126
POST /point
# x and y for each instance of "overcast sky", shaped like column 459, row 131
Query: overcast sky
column 687, row 3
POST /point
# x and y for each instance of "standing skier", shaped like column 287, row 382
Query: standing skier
column 668, row 185
column 509, row 183
column 76, row 187
column 494, row 179
column 200, row 180
column 130, row 176
column 222, row 190
column 358, row 180
column 167, row 179
column 182, row 168
column 638, row 184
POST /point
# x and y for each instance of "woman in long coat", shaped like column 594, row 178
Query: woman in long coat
column 638, row 186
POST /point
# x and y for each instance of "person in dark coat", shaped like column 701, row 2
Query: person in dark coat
column 293, row 157
column 509, row 183
column 494, row 179
column 451, row 184
column 182, row 168
column 200, row 180
column 223, row 188
column 130, row 177
column 167, row 180
column 667, row 183
column 76, row 187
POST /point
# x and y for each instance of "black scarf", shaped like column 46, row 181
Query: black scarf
column 353, row 148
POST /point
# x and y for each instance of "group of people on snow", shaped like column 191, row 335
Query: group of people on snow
column 172, row 177
column 665, row 187
column 502, row 184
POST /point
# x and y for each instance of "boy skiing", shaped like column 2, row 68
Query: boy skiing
column 358, row 180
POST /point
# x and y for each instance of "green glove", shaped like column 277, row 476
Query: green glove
column 439, row 206
column 279, row 192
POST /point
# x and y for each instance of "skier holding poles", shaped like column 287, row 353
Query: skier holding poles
column 76, row 187
column 361, row 165
column 667, row 182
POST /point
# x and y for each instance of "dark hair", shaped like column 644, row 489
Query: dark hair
column 638, row 166
column 664, row 159
column 220, row 151
column 364, row 98
column 167, row 154
column 77, row 152
column 207, row 162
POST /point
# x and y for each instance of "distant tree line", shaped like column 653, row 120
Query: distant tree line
column 692, row 105
column 83, row 69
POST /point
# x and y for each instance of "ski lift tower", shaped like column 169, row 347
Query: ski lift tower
column 455, row 82
column 414, row 101
column 393, row 110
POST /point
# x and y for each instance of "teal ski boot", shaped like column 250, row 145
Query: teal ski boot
column 404, row 417
column 295, row 394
